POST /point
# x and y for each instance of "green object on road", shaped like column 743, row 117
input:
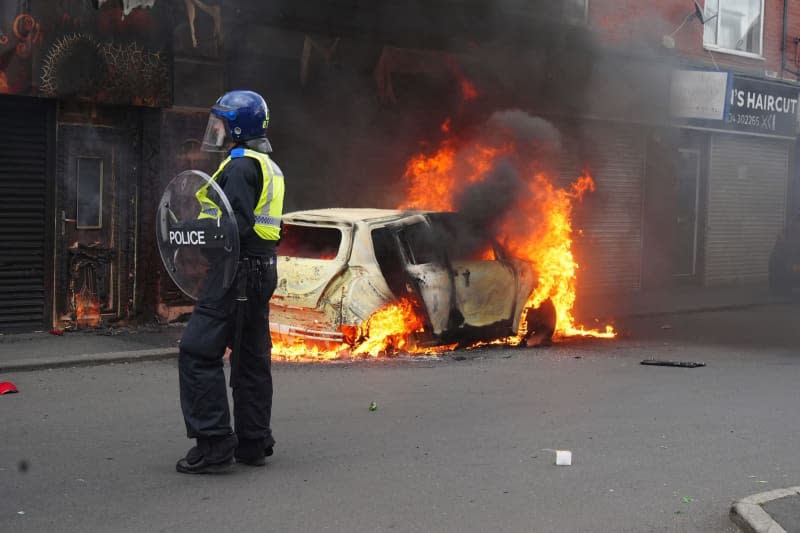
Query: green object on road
column 373, row 406
column 687, row 499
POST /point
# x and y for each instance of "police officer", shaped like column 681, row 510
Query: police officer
column 254, row 186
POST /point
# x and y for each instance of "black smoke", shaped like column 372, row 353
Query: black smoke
column 530, row 144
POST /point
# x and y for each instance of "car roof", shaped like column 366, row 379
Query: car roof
column 349, row 215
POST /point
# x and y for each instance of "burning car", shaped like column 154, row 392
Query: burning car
column 337, row 267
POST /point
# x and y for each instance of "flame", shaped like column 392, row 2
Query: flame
column 540, row 230
column 301, row 351
column 87, row 311
column 434, row 180
column 388, row 332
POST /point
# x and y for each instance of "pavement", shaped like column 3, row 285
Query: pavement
column 42, row 350
column 774, row 511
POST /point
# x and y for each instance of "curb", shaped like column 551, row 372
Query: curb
column 688, row 310
column 697, row 310
column 95, row 359
column 751, row 517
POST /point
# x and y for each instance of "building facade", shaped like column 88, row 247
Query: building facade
column 720, row 180
column 78, row 86
column 686, row 117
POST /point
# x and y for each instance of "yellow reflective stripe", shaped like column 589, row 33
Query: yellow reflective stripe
column 208, row 208
column 269, row 208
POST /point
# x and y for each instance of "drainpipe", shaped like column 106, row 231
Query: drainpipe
column 785, row 68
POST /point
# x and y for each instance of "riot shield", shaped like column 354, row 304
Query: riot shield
column 197, row 234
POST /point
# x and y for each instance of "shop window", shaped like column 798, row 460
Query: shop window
column 576, row 11
column 734, row 26
column 90, row 193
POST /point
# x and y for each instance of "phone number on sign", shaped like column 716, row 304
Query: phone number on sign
column 745, row 120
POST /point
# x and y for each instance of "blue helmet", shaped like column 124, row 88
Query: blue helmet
column 239, row 116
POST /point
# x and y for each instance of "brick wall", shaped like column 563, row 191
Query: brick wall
column 638, row 26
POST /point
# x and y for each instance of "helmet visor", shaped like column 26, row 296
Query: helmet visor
column 216, row 136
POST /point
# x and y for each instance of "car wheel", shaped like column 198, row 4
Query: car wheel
column 541, row 323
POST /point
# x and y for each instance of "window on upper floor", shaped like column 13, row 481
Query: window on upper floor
column 576, row 11
column 735, row 26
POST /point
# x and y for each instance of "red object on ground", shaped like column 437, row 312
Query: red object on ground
column 6, row 387
column 57, row 332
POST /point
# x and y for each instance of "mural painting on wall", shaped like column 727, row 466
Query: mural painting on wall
column 104, row 51
column 198, row 30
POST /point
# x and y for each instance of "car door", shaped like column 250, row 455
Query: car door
column 426, row 269
column 485, row 289
column 485, row 285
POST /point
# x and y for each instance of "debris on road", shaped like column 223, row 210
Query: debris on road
column 563, row 458
column 6, row 387
column 373, row 406
column 57, row 332
column 682, row 364
column 687, row 499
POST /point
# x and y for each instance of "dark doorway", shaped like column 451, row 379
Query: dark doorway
column 687, row 206
column 674, row 219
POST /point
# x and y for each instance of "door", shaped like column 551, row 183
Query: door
column 687, row 203
column 485, row 285
column 97, row 183
column 427, row 272
column 485, row 290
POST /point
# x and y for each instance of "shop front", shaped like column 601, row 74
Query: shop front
column 732, row 177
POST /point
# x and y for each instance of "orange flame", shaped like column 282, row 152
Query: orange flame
column 538, row 230
column 388, row 332
column 87, row 312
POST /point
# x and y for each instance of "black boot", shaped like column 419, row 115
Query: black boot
column 212, row 455
column 253, row 452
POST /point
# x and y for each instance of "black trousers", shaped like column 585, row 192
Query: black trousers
column 211, row 328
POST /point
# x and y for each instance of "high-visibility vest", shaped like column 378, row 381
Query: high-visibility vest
column 269, row 208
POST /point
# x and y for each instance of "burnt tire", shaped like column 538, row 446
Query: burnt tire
column 541, row 324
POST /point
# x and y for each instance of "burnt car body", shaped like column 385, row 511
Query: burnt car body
column 338, row 266
column 784, row 261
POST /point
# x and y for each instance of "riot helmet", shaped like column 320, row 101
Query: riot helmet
column 240, row 117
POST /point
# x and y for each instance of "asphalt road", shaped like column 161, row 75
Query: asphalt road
column 456, row 444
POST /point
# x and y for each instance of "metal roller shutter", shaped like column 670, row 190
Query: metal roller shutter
column 609, row 250
column 747, row 187
column 23, row 199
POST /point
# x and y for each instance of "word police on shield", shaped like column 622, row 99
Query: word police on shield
column 197, row 233
column 187, row 237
